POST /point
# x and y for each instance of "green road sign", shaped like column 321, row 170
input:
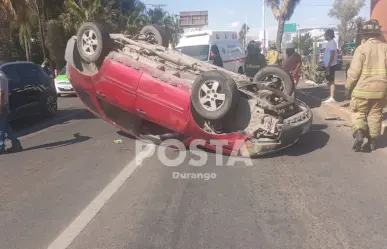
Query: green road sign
column 290, row 27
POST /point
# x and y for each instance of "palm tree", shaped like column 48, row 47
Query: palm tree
column 303, row 42
column 157, row 16
column 282, row 11
column 85, row 11
column 10, row 10
column 172, row 23
column 243, row 33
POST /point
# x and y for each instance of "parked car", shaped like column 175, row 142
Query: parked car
column 153, row 93
column 62, row 83
column 31, row 90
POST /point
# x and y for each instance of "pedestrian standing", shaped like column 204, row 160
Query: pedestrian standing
column 367, row 86
column 272, row 55
column 292, row 62
column 330, row 63
column 5, row 129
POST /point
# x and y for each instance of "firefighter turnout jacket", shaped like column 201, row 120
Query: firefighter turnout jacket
column 367, row 74
column 254, row 62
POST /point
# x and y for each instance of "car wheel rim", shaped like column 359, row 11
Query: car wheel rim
column 274, row 81
column 89, row 42
column 151, row 37
column 51, row 105
column 211, row 97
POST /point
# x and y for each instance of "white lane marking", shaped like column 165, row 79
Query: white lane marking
column 80, row 222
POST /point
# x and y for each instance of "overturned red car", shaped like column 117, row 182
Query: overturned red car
column 154, row 93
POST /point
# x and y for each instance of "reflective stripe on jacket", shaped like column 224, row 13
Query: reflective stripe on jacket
column 367, row 75
column 254, row 62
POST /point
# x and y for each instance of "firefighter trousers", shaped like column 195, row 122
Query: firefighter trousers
column 367, row 115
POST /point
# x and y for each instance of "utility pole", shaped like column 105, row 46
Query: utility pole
column 263, row 25
column 246, row 32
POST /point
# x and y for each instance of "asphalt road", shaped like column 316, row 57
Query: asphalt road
column 74, row 188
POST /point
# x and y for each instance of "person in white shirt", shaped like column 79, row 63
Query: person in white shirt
column 330, row 63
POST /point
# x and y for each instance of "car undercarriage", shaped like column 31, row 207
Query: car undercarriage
column 263, row 108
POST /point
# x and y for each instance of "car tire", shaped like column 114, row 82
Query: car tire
column 49, row 106
column 93, row 42
column 286, row 77
column 159, row 33
column 220, row 90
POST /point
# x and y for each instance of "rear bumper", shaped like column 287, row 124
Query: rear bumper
column 64, row 89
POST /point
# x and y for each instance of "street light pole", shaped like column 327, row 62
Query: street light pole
column 246, row 32
column 263, row 25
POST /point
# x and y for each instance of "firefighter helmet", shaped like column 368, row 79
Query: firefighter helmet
column 370, row 27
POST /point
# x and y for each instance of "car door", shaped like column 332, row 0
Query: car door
column 31, row 81
column 116, row 92
column 162, row 100
column 15, row 88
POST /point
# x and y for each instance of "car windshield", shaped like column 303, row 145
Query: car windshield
column 199, row 52
column 63, row 71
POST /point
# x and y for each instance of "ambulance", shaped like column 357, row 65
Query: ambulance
column 202, row 44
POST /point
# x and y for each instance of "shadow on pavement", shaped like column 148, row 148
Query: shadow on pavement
column 31, row 124
column 322, row 92
column 309, row 142
column 311, row 102
column 383, row 139
column 77, row 139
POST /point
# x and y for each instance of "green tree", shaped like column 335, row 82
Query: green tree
column 172, row 23
column 55, row 43
column 85, row 11
column 303, row 42
column 158, row 16
column 282, row 11
column 11, row 11
column 345, row 11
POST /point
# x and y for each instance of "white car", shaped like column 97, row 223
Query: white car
column 62, row 84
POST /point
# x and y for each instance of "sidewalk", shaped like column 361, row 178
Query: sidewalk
column 341, row 108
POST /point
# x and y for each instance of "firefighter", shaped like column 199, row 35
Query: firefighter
column 255, row 60
column 367, row 86
column 272, row 56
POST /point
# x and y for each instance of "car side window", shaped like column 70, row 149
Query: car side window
column 12, row 75
column 29, row 75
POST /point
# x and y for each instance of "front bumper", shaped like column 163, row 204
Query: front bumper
column 293, row 128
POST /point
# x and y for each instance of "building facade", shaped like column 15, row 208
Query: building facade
column 378, row 11
column 193, row 20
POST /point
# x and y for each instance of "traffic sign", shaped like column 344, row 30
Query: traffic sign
column 290, row 28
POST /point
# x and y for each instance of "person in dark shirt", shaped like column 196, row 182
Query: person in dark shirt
column 215, row 56
column 255, row 60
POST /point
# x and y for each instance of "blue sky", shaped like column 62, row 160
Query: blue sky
column 229, row 14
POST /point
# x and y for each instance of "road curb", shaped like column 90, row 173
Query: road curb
column 333, row 108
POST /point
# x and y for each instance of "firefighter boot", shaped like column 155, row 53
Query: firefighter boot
column 359, row 136
column 373, row 143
